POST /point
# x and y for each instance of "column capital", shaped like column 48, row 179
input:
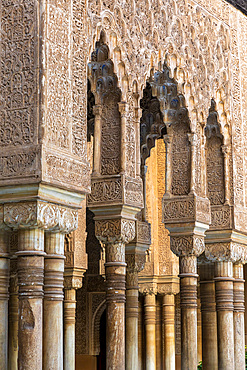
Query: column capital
column 123, row 108
column 97, row 110
column 115, row 231
column 73, row 278
column 226, row 252
column 39, row 214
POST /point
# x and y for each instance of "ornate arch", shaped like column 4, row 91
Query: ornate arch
column 95, row 328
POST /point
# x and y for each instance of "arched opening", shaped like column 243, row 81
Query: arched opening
column 101, row 358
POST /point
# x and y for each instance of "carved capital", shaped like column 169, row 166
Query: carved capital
column 73, row 278
column 143, row 233
column 192, row 245
column 226, row 252
column 40, row 215
column 97, row 110
column 123, row 108
column 115, row 230
column 135, row 263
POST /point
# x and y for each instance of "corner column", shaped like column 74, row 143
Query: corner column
column 30, row 269
column 238, row 317
column 224, row 306
column 169, row 331
column 4, row 297
column 150, row 323
column 209, row 317
column 13, row 315
column 53, row 301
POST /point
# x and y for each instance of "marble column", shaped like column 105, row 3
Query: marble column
column 188, row 302
column 97, row 111
column 209, row 317
column 140, row 334
column 238, row 317
column 53, row 301
column 199, row 329
column 158, row 333
column 13, row 315
column 69, row 328
column 169, row 331
column 4, row 297
column 115, row 269
column 132, row 294
column 30, row 268
column 224, row 306
column 150, row 321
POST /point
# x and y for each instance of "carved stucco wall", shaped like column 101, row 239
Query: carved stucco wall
column 42, row 98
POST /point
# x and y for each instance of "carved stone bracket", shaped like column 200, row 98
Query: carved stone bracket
column 39, row 214
column 115, row 230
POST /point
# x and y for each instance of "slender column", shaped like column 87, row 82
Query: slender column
column 4, row 296
column 13, row 315
column 191, row 138
column 169, row 331
column 199, row 329
column 115, row 268
column 97, row 111
column 188, row 301
column 123, row 108
column 226, row 151
column 53, row 302
column 224, row 307
column 150, row 320
column 245, row 301
column 158, row 333
column 30, row 268
column 168, row 179
column 69, row 328
column 238, row 317
column 138, row 114
column 131, row 319
column 140, row 336
column 209, row 317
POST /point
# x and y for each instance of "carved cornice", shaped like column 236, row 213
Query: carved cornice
column 115, row 230
column 39, row 214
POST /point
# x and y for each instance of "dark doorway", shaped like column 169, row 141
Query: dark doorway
column 101, row 361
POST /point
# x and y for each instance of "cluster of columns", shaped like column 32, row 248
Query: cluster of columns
column 222, row 310
column 35, row 332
